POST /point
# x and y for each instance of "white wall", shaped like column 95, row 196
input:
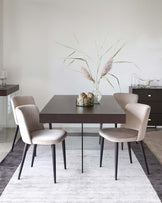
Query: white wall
column 34, row 59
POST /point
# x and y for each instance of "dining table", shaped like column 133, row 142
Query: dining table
column 63, row 109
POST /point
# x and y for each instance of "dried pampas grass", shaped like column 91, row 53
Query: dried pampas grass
column 87, row 74
column 106, row 68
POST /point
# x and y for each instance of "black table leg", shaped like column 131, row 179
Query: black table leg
column 64, row 153
column 122, row 145
column 54, row 161
column 116, row 160
column 50, row 126
column 82, row 145
column 101, row 150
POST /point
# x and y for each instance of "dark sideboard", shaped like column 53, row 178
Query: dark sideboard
column 8, row 89
column 153, row 97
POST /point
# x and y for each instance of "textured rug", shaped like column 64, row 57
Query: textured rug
column 153, row 140
column 94, row 185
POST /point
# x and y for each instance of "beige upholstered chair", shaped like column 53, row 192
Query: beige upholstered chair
column 33, row 132
column 15, row 102
column 123, row 99
column 132, row 131
column 19, row 101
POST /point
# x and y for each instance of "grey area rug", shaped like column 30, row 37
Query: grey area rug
column 9, row 165
column 94, row 185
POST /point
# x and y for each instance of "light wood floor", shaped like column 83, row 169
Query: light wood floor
column 153, row 140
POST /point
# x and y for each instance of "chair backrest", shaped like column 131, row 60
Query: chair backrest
column 28, row 119
column 125, row 98
column 137, row 118
column 19, row 101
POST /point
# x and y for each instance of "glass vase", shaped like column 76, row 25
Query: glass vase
column 3, row 77
column 97, row 93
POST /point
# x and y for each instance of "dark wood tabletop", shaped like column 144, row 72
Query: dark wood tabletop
column 8, row 89
column 63, row 109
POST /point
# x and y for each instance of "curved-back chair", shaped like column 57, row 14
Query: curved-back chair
column 15, row 102
column 125, row 98
column 132, row 131
column 33, row 132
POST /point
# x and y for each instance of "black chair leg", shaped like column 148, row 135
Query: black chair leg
column 64, row 153
column 33, row 155
column 101, row 150
column 129, row 151
column 101, row 124
column 23, row 159
column 35, row 152
column 50, row 125
column 144, row 156
column 116, row 160
column 54, row 161
column 16, row 132
column 122, row 145
column 99, row 139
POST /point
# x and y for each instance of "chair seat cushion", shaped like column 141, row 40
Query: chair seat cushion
column 119, row 134
column 48, row 137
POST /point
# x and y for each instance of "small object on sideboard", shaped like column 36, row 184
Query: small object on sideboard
column 85, row 100
column 3, row 77
column 153, row 97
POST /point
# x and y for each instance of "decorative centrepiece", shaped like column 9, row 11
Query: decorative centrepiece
column 85, row 99
column 102, row 63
